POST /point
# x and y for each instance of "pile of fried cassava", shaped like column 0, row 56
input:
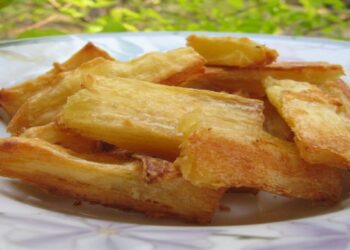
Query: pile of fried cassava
column 167, row 134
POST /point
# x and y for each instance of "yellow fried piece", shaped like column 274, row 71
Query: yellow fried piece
column 322, row 133
column 232, row 51
column 12, row 98
column 168, row 68
column 220, row 153
column 249, row 80
column 142, row 116
column 340, row 91
column 68, row 139
column 144, row 184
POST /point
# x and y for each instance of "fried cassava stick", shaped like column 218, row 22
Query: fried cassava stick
column 322, row 133
column 218, row 152
column 232, row 51
column 144, row 184
column 142, row 116
column 168, row 68
column 12, row 98
column 250, row 80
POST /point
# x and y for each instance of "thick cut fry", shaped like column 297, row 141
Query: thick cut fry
column 12, row 98
column 231, row 51
column 218, row 153
column 249, row 80
column 322, row 134
column 169, row 68
column 56, row 135
column 340, row 91
column 149, row 185
column 142, row 116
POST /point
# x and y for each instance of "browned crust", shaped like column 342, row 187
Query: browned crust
column 156, row 169
column 281, row 66
column 267, row 164
column 120, row 185
column 322, row 132
column 311, row 151
column 249, row 80
column 318, row 142
column 94, row 195
column 299, row 65
column 339, row 92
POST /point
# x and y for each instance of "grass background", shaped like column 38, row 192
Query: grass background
column 318, row 18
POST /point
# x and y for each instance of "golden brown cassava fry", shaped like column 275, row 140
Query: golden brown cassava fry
column 169, row 68
column 340, row 91
column 12, row 98
column 103, row 110
column 146, row 184
column 249, row 80
column 322, row 134
column 65, row 138
column 232, row 51
column 220, row 153
column 274, row 123
column 225, row 79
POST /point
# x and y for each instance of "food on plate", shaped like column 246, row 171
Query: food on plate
column 225, row 79
column 168, row 133
column 53, row 134
column 12, row 98
column 145, row 184
column 219, row 152
column 322, row 134
column 168, row 68
column 102, row 110
column 249, row 80
column 231, row 51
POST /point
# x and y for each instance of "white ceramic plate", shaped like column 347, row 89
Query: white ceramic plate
column 32, row 219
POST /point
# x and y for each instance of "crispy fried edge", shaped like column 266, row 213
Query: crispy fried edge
column 218, row 150
column 270, row 55
column 15, row 152
column 12, row 98
column 21, row 120
column 313, row 150
column 340, row 91
column 250, row 80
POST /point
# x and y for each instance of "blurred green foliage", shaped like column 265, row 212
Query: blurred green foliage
column 22, row 19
